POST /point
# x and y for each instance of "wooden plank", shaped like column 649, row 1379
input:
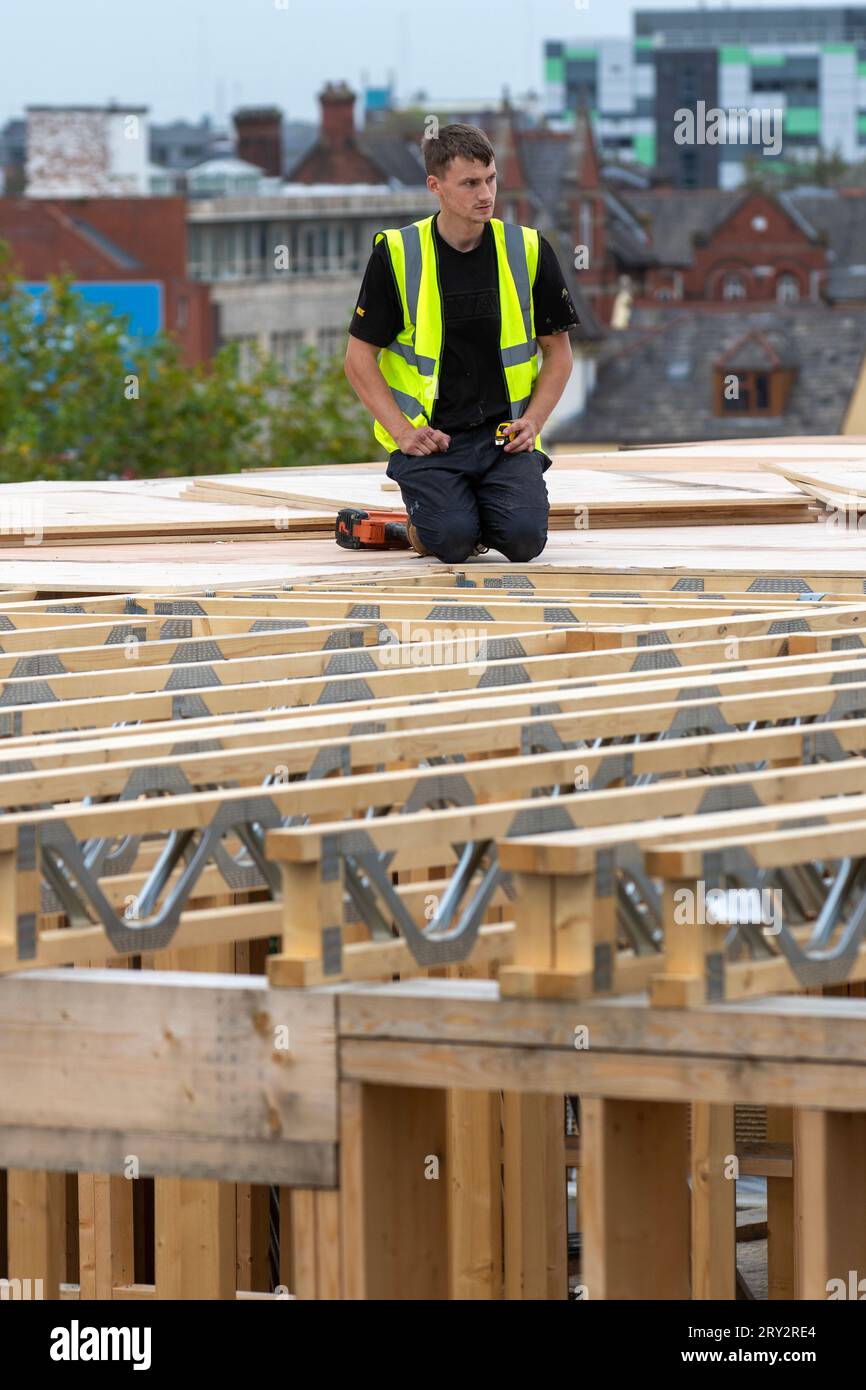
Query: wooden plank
column 352, row 1189
column 36, row 1230
column 105, row 1234
column 195, row 1240
column 634, row 1200
column 474, row 1148
column 713, row 1201
column 405, row 1193
column 721, row 1082
column 535, row 1234
column 829, row 1175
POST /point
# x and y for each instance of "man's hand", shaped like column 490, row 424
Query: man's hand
column 522, row 437
column 423, row 440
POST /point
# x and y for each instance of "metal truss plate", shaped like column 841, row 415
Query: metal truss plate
column 658, row 659
column 455, row 612
column 496, row 675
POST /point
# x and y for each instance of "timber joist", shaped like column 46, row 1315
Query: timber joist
column 366, row 851
column 136, row 791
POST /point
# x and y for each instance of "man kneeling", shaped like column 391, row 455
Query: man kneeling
column 443, row 349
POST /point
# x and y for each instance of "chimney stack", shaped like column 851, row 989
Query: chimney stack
column 338, row 116
column 260, row 137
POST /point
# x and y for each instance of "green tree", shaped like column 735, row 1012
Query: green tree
column 317, row 418
column 81, row 398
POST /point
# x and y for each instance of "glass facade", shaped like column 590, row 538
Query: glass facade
column 805, row 66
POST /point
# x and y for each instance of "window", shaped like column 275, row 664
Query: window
column 787, row 289
column 733, row 286
column 688, row 168
column 328, row 341
column 751, row 392
column 286, row 349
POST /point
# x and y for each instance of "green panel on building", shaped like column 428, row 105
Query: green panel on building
column 861, row 69
column 839, row 48
column 643, row 43
column 586, row 54
column 802, row 120
column 554, row 70
column 766, row 60
column 645, row 149
column 734, row 55
column 861, row 122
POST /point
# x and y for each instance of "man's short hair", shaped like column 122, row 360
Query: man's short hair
column 452, row 141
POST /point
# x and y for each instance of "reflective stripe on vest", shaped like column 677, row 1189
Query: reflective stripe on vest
column 411, row 363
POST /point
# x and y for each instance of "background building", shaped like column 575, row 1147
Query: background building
column 87, row 152
column 808, row 62
column 127, row 253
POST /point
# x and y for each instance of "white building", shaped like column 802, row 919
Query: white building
column 87, row 152
column 285, row 268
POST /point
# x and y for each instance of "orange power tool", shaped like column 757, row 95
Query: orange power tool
column 378, row 530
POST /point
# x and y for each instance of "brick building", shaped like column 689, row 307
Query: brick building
column 718, row 247
column 343, row 155
column 116, row 243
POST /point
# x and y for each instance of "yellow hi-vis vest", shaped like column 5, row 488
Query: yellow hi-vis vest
column 411, row 364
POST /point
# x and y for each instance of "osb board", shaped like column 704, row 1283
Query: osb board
column 779, row 549
column 609, row 492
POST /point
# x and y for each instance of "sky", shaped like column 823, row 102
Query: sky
column 187, row 58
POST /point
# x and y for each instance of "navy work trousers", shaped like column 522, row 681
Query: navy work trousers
column 475, row 494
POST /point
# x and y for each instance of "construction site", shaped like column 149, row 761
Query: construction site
column 374, row 928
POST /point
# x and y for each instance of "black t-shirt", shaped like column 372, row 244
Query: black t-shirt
column 471, row 380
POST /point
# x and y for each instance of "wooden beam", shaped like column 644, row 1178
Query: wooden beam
column 187, row 1092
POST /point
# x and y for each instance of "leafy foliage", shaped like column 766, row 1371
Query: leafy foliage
column 81, row 398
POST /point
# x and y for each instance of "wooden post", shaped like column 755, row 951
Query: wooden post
column 196, row 1219
column 714, row 1215
column 37, row 1228
column 829, row 1186
column 195, row 1239
column 311, row 903
column 393, row 1192
column 536, row 1231
column 560, row 927
column 352, row 1186
column 691, row 947
column 634, row 1199
column 474, row 1149
column 104, row 1234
